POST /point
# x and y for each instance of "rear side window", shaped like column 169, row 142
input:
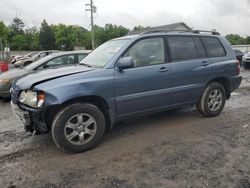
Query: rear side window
column 182, row 48
column 213, row 47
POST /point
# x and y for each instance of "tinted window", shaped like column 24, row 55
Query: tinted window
column 213, row 47
column 200, row 49
column 147, row 52
column 59, row 61
column 182, row 48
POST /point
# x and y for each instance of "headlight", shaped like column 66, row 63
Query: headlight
column 31, row 98
column 5, row 80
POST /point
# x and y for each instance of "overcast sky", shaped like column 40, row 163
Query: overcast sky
column 227, row 16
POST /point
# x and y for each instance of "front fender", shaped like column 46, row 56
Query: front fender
column 95, row 83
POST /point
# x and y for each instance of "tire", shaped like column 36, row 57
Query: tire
column 71, row 116
column 26, row 63
column 212, row 100
column 246, row 65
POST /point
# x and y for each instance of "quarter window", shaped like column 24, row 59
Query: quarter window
column 182, row 48
column 147, row 52
column 213, row 47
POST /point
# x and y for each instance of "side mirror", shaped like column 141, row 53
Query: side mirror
column 125, row 63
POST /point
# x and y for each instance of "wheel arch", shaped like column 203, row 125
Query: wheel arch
column 223, row 81
column 98, row 101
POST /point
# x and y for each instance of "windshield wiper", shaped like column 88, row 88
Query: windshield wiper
column 85, row 64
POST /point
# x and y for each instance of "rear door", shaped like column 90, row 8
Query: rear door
column 146, row 86
column 190, row 68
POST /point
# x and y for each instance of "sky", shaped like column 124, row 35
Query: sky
column 226, row 16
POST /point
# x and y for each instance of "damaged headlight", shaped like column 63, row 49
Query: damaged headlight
column 31, row 98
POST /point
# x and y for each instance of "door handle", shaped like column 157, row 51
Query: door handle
column 163, row 69
column 205, row 63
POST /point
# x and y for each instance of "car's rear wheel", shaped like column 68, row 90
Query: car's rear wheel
column 213, row 100
column 26, row 63
column 78, row 127
column 246, row 65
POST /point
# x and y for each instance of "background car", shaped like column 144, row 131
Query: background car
column 28, row 60
column 16, row 58
column 52, row 61
column 246, row 60
column 239, row 54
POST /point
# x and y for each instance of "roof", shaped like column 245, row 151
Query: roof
column 71, row 52
column 163, row 27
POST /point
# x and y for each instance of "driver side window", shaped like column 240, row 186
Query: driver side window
column 59, row 61
column 147, row 52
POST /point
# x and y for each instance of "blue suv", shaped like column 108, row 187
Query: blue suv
column 125, row 77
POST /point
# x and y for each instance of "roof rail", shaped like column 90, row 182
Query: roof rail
column 180, row 31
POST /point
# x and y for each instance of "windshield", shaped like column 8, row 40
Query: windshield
column 31, row 54
column 104, row 53
column 38, row 62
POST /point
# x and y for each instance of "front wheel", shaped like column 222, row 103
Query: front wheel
column 78, row 127
column 213, row 100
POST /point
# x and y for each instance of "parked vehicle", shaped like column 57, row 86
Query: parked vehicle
column 28, row 60
column 14, row 59
column 239, row 54
column 52, row 61
column 246, row 60
column 3, row 66
column 125, row 77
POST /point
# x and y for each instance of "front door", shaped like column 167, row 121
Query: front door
column 146, row 86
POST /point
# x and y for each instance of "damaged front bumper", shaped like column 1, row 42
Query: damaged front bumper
column 33, row 119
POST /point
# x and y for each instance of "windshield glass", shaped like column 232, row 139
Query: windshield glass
column 38, row 62
column 31, row 54
column 104, row 53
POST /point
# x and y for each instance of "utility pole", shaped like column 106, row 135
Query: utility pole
column 90, row 7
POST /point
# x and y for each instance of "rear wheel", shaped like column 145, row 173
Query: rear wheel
column 213, row 100
column 26, row 63
column 78, row 127
column 246, row 65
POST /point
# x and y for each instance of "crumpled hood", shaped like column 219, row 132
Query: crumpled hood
column 37, row 77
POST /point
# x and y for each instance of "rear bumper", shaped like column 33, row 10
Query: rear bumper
column 235, row 83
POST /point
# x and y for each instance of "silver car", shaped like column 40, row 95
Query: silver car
column 23, row 62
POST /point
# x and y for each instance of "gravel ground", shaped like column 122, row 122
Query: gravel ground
column 170, row 149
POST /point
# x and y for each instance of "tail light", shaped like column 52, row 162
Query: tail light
column 237, row 67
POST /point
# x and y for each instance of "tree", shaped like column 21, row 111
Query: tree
column 46, row 37
column 248, row 40
column 139, row 27
column 17, row 25
column 102, row 34
column 236, row 39
column 4, row 31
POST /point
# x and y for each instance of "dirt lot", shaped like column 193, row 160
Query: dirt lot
column 170, row 149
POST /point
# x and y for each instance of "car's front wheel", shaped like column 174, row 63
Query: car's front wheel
column 212, row 100
column 78, row 127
